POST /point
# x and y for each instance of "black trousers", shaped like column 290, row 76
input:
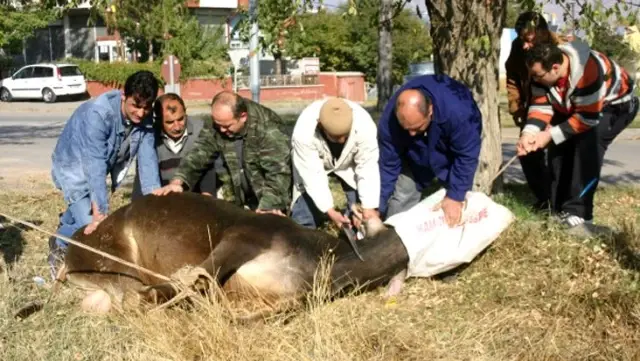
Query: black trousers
column 576, row 163
column 536, row 172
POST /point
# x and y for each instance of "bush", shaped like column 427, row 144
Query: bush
column 114, row 74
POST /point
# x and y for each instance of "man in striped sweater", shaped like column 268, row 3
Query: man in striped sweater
column 580, row 101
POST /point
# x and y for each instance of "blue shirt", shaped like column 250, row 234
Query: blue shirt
column 450, row 149
column 87, row 150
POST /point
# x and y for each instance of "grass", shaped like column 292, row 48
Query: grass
column 536, row 294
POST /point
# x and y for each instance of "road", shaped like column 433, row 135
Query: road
column 27, row 141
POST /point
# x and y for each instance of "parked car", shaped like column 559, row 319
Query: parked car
column 418, row 69
column 43, row 81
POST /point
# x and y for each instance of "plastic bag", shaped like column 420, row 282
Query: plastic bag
column 434, row 247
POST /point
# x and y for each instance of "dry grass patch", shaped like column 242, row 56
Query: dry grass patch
column 536, row 294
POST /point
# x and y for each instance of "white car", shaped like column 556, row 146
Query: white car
column 43, row 81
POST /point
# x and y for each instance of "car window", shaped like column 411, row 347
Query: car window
column 70, row 71
column 24, row 73
column 43, row 72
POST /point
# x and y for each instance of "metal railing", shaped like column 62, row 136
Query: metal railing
column 267, row 81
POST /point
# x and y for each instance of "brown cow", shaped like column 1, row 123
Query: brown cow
column 244, row 251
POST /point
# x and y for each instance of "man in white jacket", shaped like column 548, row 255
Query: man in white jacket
column 334, row 137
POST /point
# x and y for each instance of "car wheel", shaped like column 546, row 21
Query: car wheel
column 5, row 95
column 48, row 95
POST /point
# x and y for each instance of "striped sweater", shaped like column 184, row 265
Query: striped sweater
column 595, row 81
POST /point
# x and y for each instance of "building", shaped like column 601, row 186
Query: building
column 77, row 35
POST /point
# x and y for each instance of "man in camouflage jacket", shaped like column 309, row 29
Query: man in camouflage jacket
column 242, row 129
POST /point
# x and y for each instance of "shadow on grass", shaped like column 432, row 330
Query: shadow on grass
column 621, row 247
column 11, row 240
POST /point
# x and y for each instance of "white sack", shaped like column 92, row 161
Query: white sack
column 433, row 247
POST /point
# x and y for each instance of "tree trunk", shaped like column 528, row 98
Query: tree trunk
column 466, row 35
column 277, row 58
column 384, row 80
column 150, row 60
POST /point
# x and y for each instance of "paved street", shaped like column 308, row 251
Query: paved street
column 27, row 140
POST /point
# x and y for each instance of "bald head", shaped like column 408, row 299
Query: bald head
column 413, row 110
column 229, row 112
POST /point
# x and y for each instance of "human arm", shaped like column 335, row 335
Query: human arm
column 367, row 170
column 464, row 135
column 197, row 161
column 148, row 169
column 390, row 151
column 93, row 139
column 274, row 152
column 308, row 166
column 513, row 66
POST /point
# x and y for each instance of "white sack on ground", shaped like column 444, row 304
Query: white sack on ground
column 433, row 247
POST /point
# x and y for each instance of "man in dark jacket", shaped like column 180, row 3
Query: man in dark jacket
column 255, row 150
column 175, row 136
column 429, row 129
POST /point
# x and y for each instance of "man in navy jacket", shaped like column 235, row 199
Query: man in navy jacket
column 430, row 129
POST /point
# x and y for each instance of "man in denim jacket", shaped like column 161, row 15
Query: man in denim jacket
column 103, row 136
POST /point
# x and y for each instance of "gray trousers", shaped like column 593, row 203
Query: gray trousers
column 405, row 194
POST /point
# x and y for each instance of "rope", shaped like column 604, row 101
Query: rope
column 89, row 248
column 504, row 167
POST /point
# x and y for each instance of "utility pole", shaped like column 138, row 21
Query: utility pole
column 254, row 60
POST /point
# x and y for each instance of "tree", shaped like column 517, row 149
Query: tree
column 466, row 34
column 18, row 23
column 350, row 43
column 275, row 20
column 384, row 80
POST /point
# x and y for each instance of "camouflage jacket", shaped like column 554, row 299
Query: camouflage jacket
column 267, row 154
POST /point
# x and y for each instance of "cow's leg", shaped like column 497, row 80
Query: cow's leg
column 227, row 256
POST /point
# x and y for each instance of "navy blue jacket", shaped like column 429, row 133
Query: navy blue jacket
column 448, row 151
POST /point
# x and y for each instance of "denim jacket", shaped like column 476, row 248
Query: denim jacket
column 88, row 146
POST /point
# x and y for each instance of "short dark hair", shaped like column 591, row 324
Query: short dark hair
column 237, row 103
column 423, row 102
column 142, row 86
column 546, row 54
column 531, row 21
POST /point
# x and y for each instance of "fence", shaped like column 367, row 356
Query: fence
column 267, row 81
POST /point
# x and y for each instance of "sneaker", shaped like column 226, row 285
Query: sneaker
column 581, row 228
column 56, row 257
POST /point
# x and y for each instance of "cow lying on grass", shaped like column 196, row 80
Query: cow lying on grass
column 263, row 259
column 249, row 255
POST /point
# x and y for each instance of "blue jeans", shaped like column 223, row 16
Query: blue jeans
column 77, row 215
column 305, row 213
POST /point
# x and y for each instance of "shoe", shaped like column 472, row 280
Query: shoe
column 581, row 228
column 56, row 257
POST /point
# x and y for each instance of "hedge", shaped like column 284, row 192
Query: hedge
column 114, row 74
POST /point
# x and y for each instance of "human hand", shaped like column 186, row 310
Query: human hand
column 542, row 139
column 173, row 186
column 96, row 218
column 525, row 144
column 338, row 218
column 452, row 211
column 277, row 212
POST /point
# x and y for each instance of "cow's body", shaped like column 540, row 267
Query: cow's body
column 243, row 250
